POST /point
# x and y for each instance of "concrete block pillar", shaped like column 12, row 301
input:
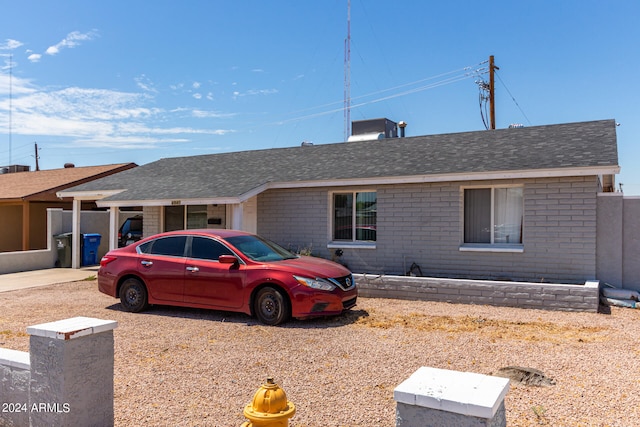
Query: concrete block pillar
column 14, row 387
column 439, row 398
column 72, row 372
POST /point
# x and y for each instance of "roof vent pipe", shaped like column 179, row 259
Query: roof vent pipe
column 69, row 165
column 402, row 124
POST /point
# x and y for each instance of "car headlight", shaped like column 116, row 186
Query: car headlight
column 316, row 283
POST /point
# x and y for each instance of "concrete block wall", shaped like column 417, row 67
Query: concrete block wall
column 296, row 219
column 631, row 243
column 509, row 294
column 618, row 240
column 152, row 223
column 15, row 376
column 441, row 397
column 66, row 378
column 423, row 224
column 610, row 237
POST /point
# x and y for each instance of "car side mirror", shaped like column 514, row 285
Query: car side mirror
column 228, row 259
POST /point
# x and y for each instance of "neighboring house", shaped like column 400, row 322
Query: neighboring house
column 514, row 204
column 25, row 197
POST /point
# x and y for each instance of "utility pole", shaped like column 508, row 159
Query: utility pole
column 37, row 157
column 492, row 94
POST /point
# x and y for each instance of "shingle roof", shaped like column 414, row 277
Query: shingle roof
column 29, row 185
column 551, row 147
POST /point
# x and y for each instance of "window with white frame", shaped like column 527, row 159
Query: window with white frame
column 493, row 215
column 354, row 216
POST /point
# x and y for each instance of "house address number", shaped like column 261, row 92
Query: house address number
column 176, row 202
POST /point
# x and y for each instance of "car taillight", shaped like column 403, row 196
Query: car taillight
column 106, row 260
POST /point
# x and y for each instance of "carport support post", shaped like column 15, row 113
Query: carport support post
column 75, row 236
column 113, row 227
column 72, row 372
column 236, row 216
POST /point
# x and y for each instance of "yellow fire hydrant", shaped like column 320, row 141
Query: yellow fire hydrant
column 269, row 407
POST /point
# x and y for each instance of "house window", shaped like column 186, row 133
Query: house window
column 493, row 215
column 185, row 217
column 354, row 216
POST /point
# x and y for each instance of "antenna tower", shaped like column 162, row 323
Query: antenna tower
column 10, row 100
column 347, row 76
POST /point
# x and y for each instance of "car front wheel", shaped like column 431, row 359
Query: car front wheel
column 133, row 295
column 271, row 307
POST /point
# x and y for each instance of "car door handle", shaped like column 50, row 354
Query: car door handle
column 193, row 269
column 146, row 263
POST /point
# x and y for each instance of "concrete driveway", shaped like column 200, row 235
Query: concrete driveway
column 31, row 279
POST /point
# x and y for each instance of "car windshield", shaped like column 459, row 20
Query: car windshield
column 259, row 249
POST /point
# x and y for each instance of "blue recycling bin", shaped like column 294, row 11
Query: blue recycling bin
column 90, row 243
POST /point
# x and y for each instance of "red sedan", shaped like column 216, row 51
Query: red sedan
column 225, row 270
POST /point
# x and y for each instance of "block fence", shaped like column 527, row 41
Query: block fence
column 511, row 294
column 66, row 378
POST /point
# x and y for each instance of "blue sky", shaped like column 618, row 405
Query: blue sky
column 110, row 82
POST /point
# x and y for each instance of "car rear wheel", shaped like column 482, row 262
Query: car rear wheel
column 133, row 295
column 271, row 307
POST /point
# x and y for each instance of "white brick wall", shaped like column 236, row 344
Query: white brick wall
column 422, row 223
column 152, row 220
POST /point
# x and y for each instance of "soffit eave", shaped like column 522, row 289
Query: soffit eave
column 412, row 179
column 169, row 202
column 454, row 177
column 88, row 195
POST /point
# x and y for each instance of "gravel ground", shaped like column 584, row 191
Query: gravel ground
column 189, row 367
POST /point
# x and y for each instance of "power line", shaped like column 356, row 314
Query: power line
column 463, row 74
column 14, row 149
column 514, row 99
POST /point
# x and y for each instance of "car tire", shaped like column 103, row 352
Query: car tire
column 271, row 306
column 133, row 296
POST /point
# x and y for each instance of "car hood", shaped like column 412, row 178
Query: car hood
column 313, row 267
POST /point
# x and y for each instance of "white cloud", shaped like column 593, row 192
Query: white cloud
column 19, row 86
column 10, row 44
column 145, row 83
column 72, row 40
column 95, row 117
column 201, row 114
column 197, row 95
column 77, row 103
column 254, row 92
column 34, row 57
column 196, row 85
